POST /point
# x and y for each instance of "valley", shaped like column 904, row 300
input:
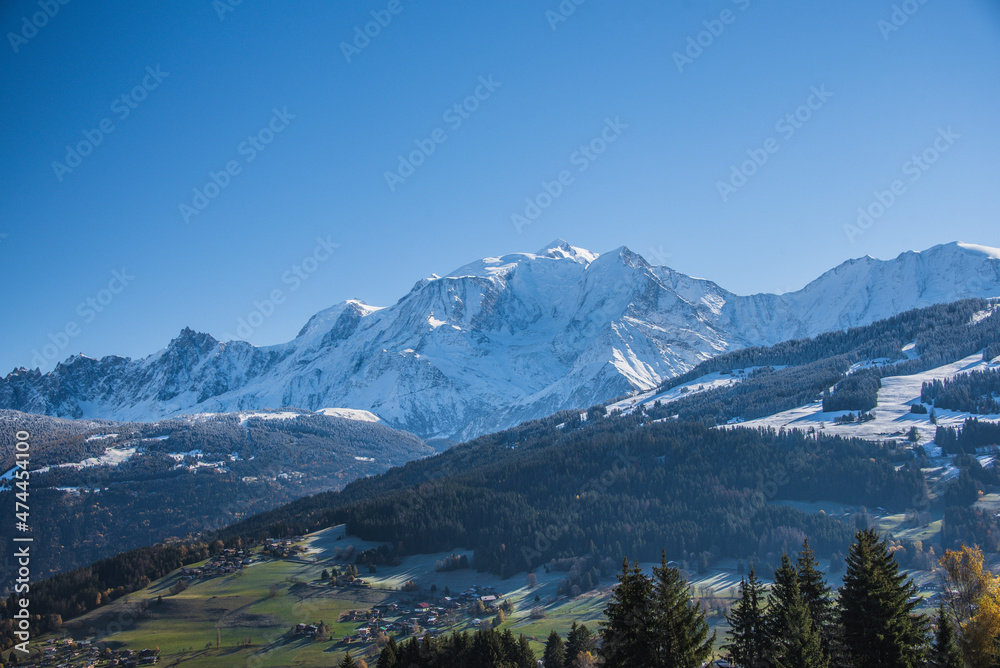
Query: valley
column 286, row 536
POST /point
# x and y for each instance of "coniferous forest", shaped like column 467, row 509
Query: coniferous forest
column 595, row 488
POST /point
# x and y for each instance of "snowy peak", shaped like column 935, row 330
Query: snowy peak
column 336, row 317
column 499, row 341
column 560, row 249
column 988, row 251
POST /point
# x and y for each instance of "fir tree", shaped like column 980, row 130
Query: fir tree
column 749, row 643
column 347, row 661
column 801, row 648
column 816, row 593
column 626, row 632
column 579, row 639
column 945, row 653
column 555, row 651
column 780, row 600
column 524, row 656
column 877, row 605
column 388, row 657
column 680, row 630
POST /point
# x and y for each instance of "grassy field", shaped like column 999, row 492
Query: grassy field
column 244, row 618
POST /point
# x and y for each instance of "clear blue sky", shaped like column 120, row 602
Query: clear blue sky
column 654, row 189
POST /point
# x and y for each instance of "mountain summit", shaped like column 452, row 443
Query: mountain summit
column 500, row 340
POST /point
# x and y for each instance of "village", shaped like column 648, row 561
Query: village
column 91, row 655
column 415, row 616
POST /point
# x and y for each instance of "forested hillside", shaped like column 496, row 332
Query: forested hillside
column 794, row 373
column 147, row 482
column 974, row 392
column 607, row 484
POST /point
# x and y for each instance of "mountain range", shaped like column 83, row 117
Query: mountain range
column 499, row 341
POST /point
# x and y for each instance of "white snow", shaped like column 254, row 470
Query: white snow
column 350, row 414
column 979, row 316
column 178, row 456
column 100, row 437
column 701, row 384
column 989, row 251
column 530, row 334
column 893, row 418
column 281, row 415
column 111, row 457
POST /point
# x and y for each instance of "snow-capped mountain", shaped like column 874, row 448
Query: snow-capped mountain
column 499, row 341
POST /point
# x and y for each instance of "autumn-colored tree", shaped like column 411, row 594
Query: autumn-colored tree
column 973, row 595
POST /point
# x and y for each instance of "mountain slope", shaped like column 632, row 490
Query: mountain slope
column 103, row 487
column 500, row 341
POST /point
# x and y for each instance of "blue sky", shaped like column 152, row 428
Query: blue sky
column 207, row 89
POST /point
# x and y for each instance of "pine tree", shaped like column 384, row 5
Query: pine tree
column 579, row 639
column 347, row 661
column 782, row 596
column 816, row 593
column 680, row 630
column 626, row 631
column 555, row 651
column 388, row 657
column 749, row 643
column 524, row 656
column 801, row 648
column 877, row 605
column 945, row 653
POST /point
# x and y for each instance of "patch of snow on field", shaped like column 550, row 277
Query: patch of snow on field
column 282, row 415
column 100, row 437
column 893, row 418
column 701, row 384
column 350, row 414
column 979, row 316
column 111, row 457
column 179, row 457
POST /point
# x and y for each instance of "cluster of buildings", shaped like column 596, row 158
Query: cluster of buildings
column 281, row 548
column 85, row 653
column 421, row 617
column 228, row 561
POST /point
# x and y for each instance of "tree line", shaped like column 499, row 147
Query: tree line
column 973, row 392
column 973, row 434
column 795, row 373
